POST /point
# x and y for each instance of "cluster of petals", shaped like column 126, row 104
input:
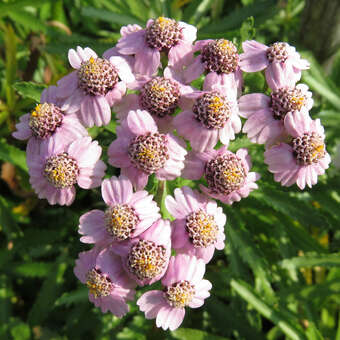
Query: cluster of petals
column 56, row 169
column 160, row 96
column 258, row 57
column 183, row 286
column 95, row 85
column 132, row 243
column 227, row 173
column 128, row 213
column 161, row 34
column 109, row 286
column 139, row 144
column 209, row 116
column 304, row 158
column 199, row 223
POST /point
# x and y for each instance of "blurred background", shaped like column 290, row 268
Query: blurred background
column 279, row 275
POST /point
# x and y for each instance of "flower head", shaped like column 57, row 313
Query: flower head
column 159, row 95
column 265, row 115
column 160, row 35
column 199, row 225
column 227, row 174
column 208, row 117
column 56, row 169
column 95, row 86
column 277, row 58
column 109, row 287
column 145, row 257
column 141, row 150
column 48, row 121
column 184, row 286
column 304, row 158
column 219, row 59
column 127, row 215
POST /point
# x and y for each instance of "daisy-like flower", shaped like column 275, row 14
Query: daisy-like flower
column 219, row 59
column 304, row 158
column 184, row 286
column 146, row 257
column 227, row 174
column 127, row 215
column 160, row 96
column 56, row 169
column 199, row 225
column 265, row 114
column 160, row 35
column 109, row 286
column 47, row 121
column 257, row 57
column 94, row 87
column 209, row 116
column 141, row 150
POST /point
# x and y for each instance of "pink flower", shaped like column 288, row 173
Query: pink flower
column 109, row 287
column 161, row 35
column 48, row 121
column 219, row 58
column 257, row 57
column 94, row 87
column 199, row 225
column 146, row 257
column 56, row 169
column 160, row 96
column 265, row 115
column 140, row 150
column 183, row 286
column 304, row 158
column 127, row 215
column 227, row 174
column 209, row 117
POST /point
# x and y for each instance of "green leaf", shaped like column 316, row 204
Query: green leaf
column 235, row 19
column 190, row 334
column 6, row 8
column 29, row 89
column 28, row 20
column 289, row 326
column 7, row 222
column 312, row 260
column 12, row 154
column 33, row 269
column 76, row 296
column 21, row 331
column 247, row 30
column 115, row 18
column 48, row 293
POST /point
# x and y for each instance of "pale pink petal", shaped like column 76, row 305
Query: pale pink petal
column 250, row 103
column 140, row 122
column 116, row 190
column 147, row 61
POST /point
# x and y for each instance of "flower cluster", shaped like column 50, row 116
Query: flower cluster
column 166, row 128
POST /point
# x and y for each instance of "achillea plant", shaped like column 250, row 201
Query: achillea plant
column 166, row 129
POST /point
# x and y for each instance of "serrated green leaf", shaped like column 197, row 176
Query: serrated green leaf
column 289, row 326
column 29, row 89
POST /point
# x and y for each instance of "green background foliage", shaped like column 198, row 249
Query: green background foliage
column 279, row 274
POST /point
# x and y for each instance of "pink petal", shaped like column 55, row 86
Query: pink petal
column 116, row 190
column 140, row 122
column 147, row 61
column 95, row 110
column 250, row 103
